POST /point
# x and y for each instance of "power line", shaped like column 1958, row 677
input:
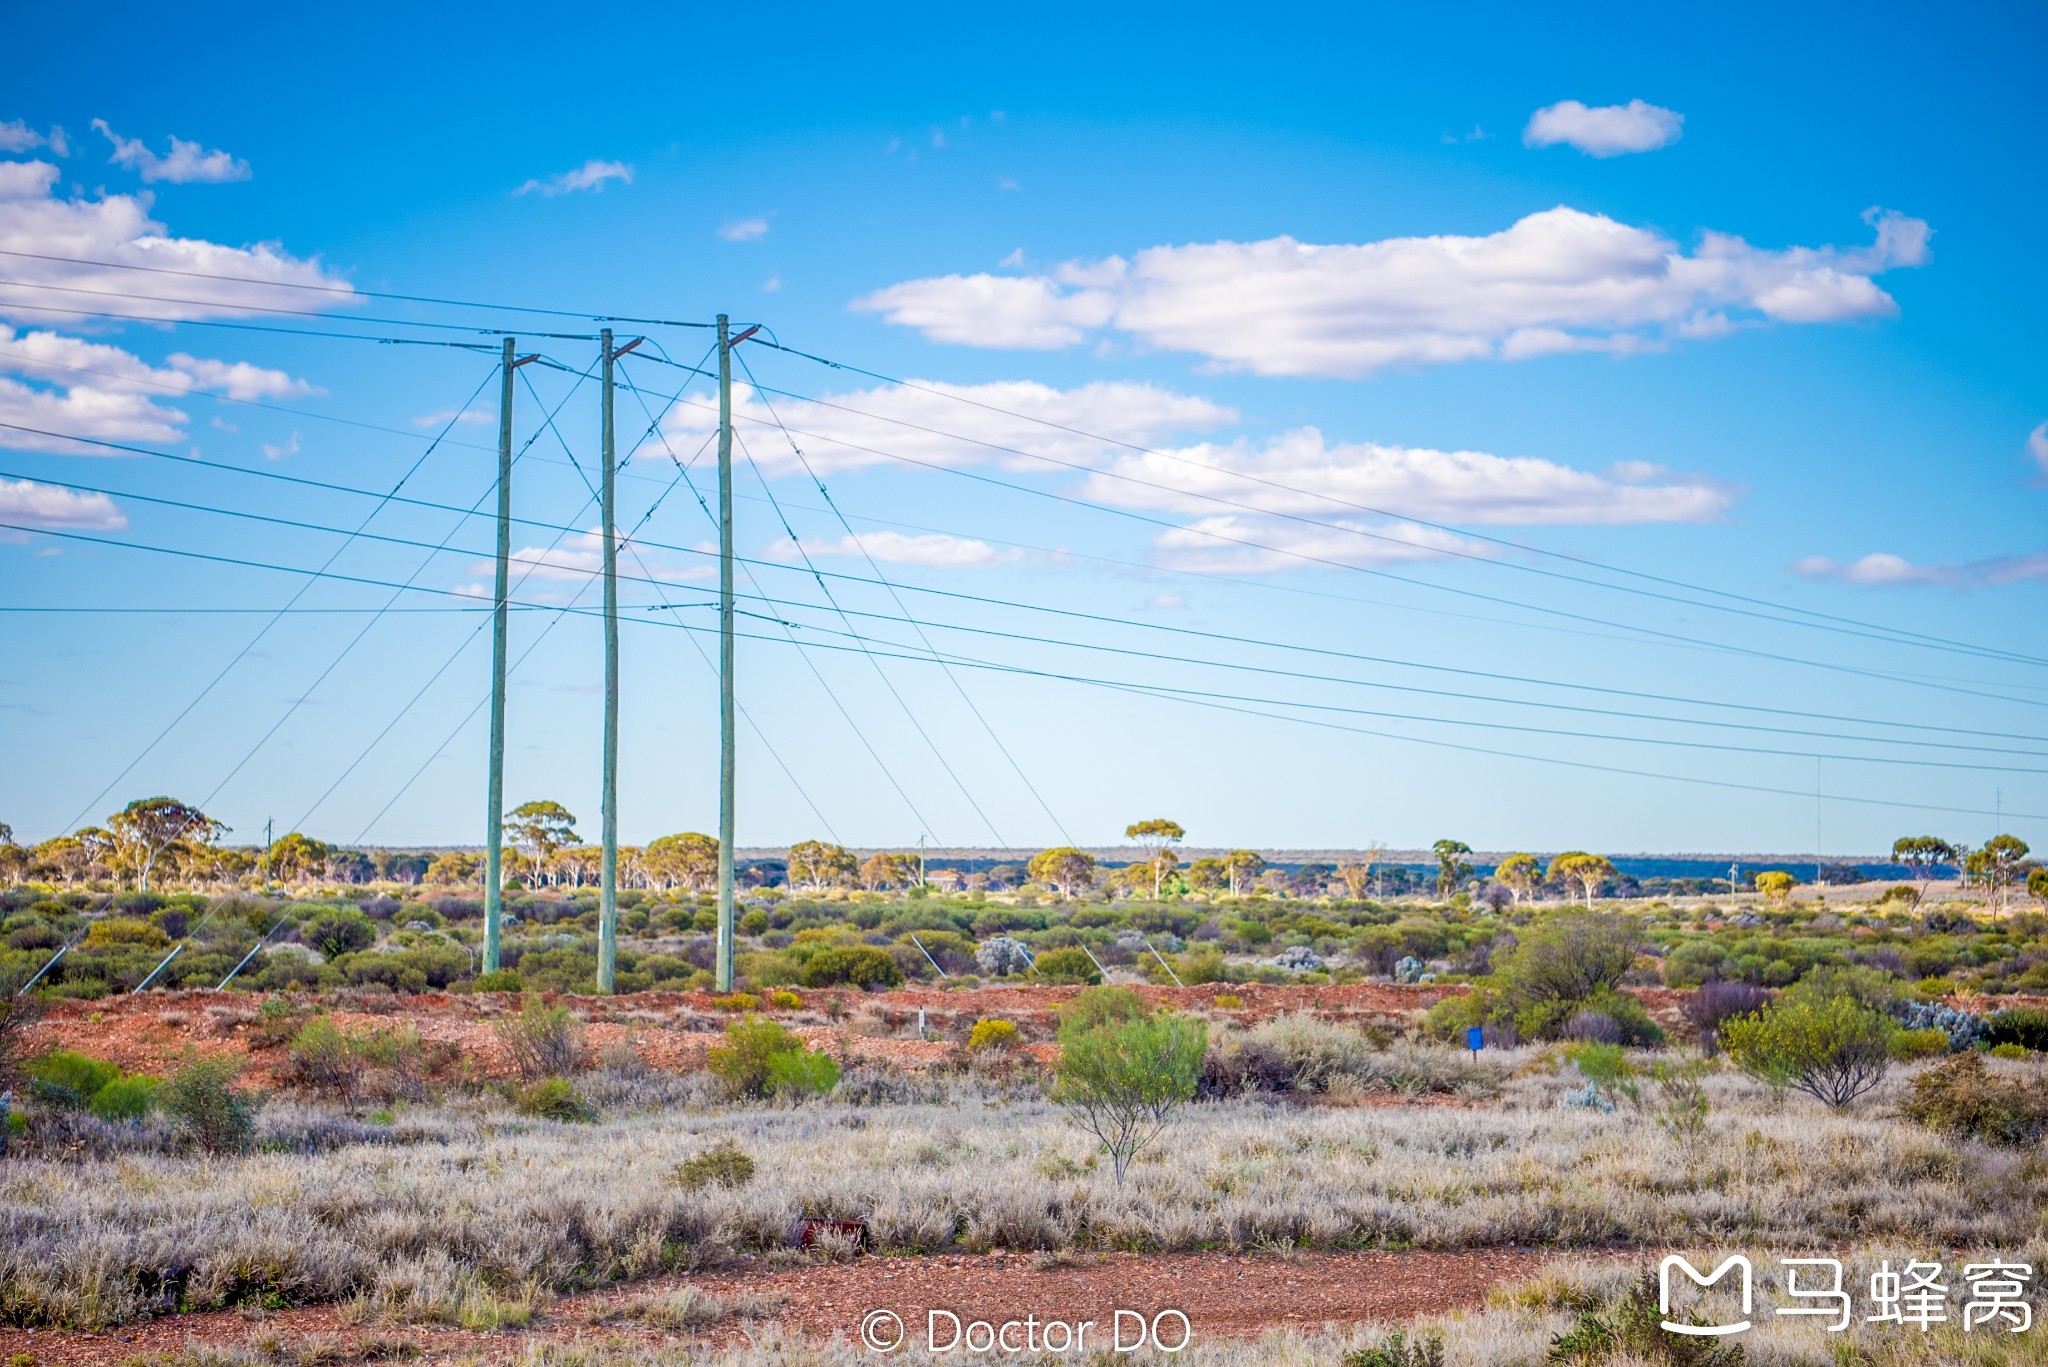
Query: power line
column 13, row 306
column 1191, row 696
column 864, row 642
column 762, row 596
column 1327, row 562
column 682, row 476
column 243, row 653
column 351, row 291
column 876, row 570
column 1703, row 643
column 629, row 544
column 1368, row 508
column 230, row 307
column 292, row 708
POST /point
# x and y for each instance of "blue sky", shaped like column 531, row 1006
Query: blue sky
column 1403, row 306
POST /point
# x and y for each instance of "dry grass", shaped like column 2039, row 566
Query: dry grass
column 481, row 1203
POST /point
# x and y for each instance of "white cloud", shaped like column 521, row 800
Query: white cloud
column 238, row 379
column 290, row 448
column 119, row 230
column 1165, row 602
column 927, row 421
column 98, row 389
column 771, row 284
column 1607, row 130
column 17, row 136
column 744, row 229
column 1882, row 569
column 591, row 175
column 579, row 559
column 1559, row 280
column 83, row 412
column 473, row 416
column 934, row 549
column 1469, row 487
column 1211, row 545
column 188, row 164
column 26, row 503
column 2037, row 446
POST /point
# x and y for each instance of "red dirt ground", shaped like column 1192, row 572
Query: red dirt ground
column 1223, row 1295
column 668, row 1031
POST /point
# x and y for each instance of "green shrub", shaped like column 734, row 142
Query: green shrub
column 499, row 980
column 747, row 1062
column 1097, row 1006
column 1963, row 1098
column 1633, row 1331
column 1228, row 1001
column 67, row 1079
column 1834, row 1050
column 785, row 1001
column 204, row 1103
column 724, row 1164
column 737, row 1001
column 1122, row 1079
column 1067, row 965
column 2022, row 1025
column 1398, row 1350
column 993, row 1033
column 803, row 1073
column 2008, row 1050
column 861, row 966
column 1682, row 1103
column 553, row 1098
column 342, row 930
column 1908, row 1046
column 325, row 1059
column 542, row 1040
column 126, row 1098
column 116, row 931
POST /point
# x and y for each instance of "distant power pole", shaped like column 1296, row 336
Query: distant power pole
column 725, row 657
column 920, row 858
column 608, row 904
column 268, row 841
column 494, row 814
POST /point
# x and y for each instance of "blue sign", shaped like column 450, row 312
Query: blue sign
column 1474, row 1038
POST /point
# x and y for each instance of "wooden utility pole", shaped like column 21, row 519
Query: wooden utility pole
column 725, row 655
column 494, row 816
column 608, row 905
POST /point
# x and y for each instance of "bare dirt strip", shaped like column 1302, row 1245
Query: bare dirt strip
column 1223, row 1295
column 668, row 1031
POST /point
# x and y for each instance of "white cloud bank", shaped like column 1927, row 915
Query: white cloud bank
column 1559, row 280
column 1373, row 496
column 591, row 175
column 119, row 229
column 104, row 392
column 2037, row 446
column 188, row 163
column 946, row 424
column 24, row 502
column 98, row 390
column 1303, row 474
column 1608, row 130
